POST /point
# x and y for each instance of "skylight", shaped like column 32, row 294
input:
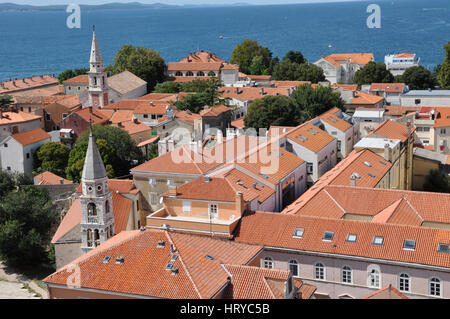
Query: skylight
column 378, row 240
column 209, row 257
column 169, row 266
column 444, row 248
column 174, row 257
column 298, row 232
column 384, row 163
column 409, row 244
column 263, row 175
column 161, row 244
column 367, row 164
column 351, row 238
column 106, row 259
column 328, row 236
column 372, row 175
column 120, row 260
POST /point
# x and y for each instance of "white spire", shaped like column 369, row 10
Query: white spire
column 96, row 55
column 93, row 164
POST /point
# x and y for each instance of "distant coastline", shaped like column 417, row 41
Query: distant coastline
column 12, row 7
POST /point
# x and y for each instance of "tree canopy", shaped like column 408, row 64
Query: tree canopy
column 206, row 94
column 292, row 71
column 5, row 102
column 418, row 78
column 77, row 156
column 52, row 157
column 142, row 62
column 68, row 74
column 271, row 110
column 244, row 55
column 437, row 182
column 27, row 222
column 126, row 152
column 295, row 57
column 168, row 87
column 443, row 72
column 303, row 105
column 373, row 73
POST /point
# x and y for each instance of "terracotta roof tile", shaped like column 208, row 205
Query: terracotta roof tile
column 239, row 123
column 358, row 58
column 80, row 79
column 134, row 127
column 27, row 83
column 30, row 137
column 363, row 98
column 48, row 178
column 216, row 189
column 332, row 119
column 387, row 87
column 214, row 111
column 194, row 66
column 121, row 116
column 17, row 117
column 253, row 93
column 314, row 141
column 388, row 292
column 276, row 230
column 391, row 130
column 202, row 56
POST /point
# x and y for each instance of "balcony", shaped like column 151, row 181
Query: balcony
column 92, row 220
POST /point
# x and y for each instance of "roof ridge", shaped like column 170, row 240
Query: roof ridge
column 331, row 197
column 413, row 208
column 184, row 266
column 268, row 287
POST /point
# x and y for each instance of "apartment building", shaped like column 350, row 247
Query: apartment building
column 341, row 68
column 390, row 91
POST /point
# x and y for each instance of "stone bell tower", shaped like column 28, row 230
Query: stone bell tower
column 98, row 79
column 97, row 217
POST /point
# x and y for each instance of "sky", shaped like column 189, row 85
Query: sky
column 175, row 2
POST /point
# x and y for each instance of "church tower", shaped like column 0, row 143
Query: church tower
column 98, row 79
column 97, row 218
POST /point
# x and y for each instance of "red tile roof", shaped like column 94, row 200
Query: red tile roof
column 332, row 119
column 187, row 116
column 239, row 123
column 214, row 111
column 17, row 117
column 48, row 178
column 80, row 79
column 30, row 137
column 143, row 272
column 275, row 230
column 202, row 56
column 27, row 83
column 97, row 117
column 121, row 116
column 443, row 120
column 134, row 127
column 194, row 66
column 315, row 141
column 216, row 189
column 387, row 87
column 388, row 292
column 363, row 98
column 392, row 130
column 253, row 93
column 358, row 58
column 256, row 283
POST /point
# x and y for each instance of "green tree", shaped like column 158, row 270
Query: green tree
column 291, row 71
column 295, row 57
column 437, row 182
column 52, row 157
column 153, row 152
column 443, row 72
column 258, row 67
column 194, row 102
column 244, row 53
column 142, row 62
column 167, row 87
column 7, row 183
column 27, row 222
column 311, row 102
column 201, row 86
column 126, row 152
column 271, row 110
column 418, row 78
column 5, row 102
column 373, row 73
column 77, row 156
column 207, row 94
column 68, row 74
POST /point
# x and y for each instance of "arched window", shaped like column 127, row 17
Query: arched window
column 211, row 73
column 373, row 279
column 319, row 271
column 107, row 207
column 404, row 282
column 95, row 80
column 92, row 210
column 189, row 73
column 179, row 73
column 435, row 287
column 268, row 262
column 200, row 73
column 96, row 237
column 347, row 274
column 293, row 266
column 89, row 238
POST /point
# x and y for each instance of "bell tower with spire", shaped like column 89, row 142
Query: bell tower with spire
column 97, row 218
column 98, row 79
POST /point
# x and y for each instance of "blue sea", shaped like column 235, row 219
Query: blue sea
column 33, row 43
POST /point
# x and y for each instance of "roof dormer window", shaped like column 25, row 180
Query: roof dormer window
column 328, row 236
column 378, row 240
column 298, row 232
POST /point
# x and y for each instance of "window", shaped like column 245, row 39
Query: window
column 319, row 271
column 298, row 232
column 189, row 73
column 89, row 238
column 378, row 240
column 417, row 101
column 328, row 236
column 443, row 248
column 179, row 73
column 28, row 155
column 409, row 244
column 347, row 275
column 153, row 198
column 293, row 267
column 404, row 282
column 152, row 181
column 213, row 211
column 351, row 238
column 211, row 73
column 200, row 73
column 48, row 117
column 145, row 116
column 374, row 277
column 435, row 287
column 187, row 206
column 64, row 115
column 268, row 262
column 309, row 168
column 5, row 145
column 92, row 209
column 170, row 181
column 443, row 131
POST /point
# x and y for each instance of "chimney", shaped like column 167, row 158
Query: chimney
column 387, row 152
column 170, row 145
column 353, row 180
column 61, row 181
column 136, row 121
column 240, row 205
column 408, row 126
column 236, row 90
column 262, row 91
column 207, row 179
column 173, row 191
column 289, row 91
